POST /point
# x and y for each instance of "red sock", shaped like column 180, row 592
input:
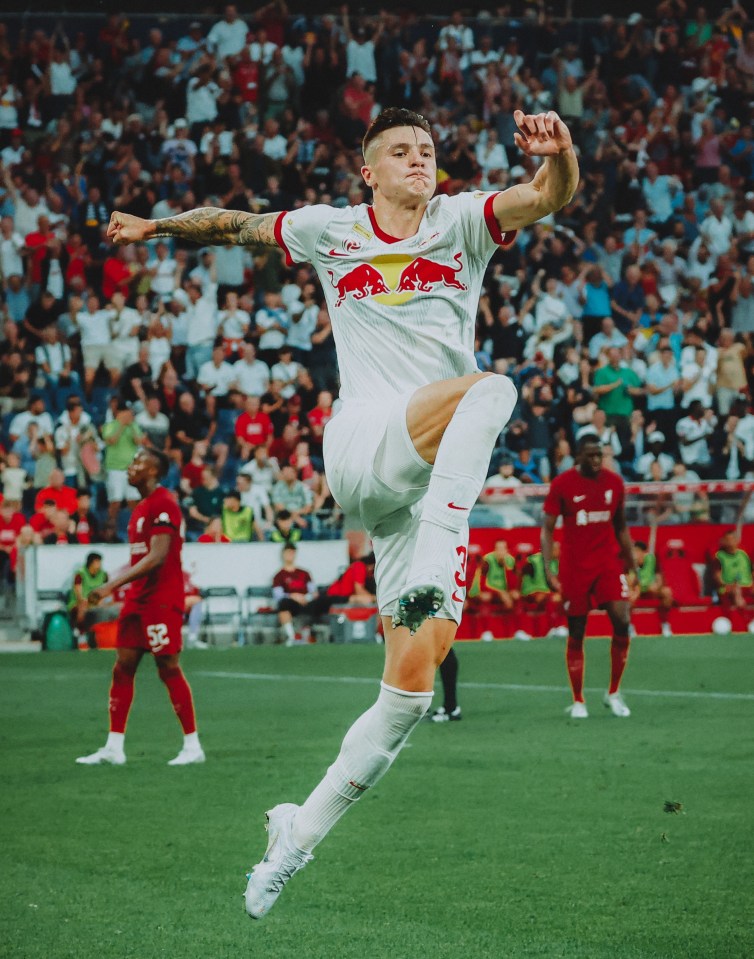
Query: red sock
column 618, row 657
column 180, row 696
column 121, row 697
column 575, row 666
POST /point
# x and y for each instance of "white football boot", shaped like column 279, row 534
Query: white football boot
column 616, row 705
column 417, row 604
column 281, row 862
column 107, row 754
column 577, row 711
column 187, row 756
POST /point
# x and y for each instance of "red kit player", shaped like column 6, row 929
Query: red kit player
column 596, row 556
column 152, row 614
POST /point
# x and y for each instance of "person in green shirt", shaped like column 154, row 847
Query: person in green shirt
column 649, row 586
column 122, row 439
column 615, row 387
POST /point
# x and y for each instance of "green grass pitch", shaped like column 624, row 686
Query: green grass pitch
column 516, row 833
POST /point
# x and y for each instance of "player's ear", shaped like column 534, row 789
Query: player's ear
column 366, row 172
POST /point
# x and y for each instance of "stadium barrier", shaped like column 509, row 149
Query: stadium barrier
column 48, row 570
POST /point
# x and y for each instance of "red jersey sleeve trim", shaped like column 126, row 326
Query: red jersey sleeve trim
column 502, row 239
column 378, row 231
column 279, row 238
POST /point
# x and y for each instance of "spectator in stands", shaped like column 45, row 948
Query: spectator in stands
column 239, row 522
column 216, row 377
column 252, row 376
column 204, row 501
column 97, row 344
column 37, row 415
column 730, row 380
column 54, row 359
column 289, row 493
column 616, row 387
column 694, row 432
column 153, row 423
column 655, row 454
column 253, row 427
column 262, row 468
column 213, row 532
column 257, row 498
column 122, row 439
column 662, row 382
column 85, row 523
column 57, row 492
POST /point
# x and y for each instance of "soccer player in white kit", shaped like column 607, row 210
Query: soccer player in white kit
column 409, row 450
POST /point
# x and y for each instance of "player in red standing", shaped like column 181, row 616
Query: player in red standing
column 152, row 614
column 597, row 554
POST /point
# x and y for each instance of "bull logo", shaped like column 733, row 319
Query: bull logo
column 396, row 278
column 361, row 282
column 422, row 274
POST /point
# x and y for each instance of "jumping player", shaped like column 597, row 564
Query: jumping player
column 408, row 451
column 152, row 614
column 596, row 556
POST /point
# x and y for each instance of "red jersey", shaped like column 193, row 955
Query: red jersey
column 588, row 506
column 9, row 531
column 64, row 497
column 156, row 514
column 346, row 585
column 193, row 473
column 207, row 538
column 254, row 429
column 292, row 581
column 319, row 418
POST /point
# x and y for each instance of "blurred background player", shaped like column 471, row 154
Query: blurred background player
column 597, row 555
column 731, row 573
column 536, row 595
column 151, row 619
column 650, row 586
column 409, row 449
column 293, row 588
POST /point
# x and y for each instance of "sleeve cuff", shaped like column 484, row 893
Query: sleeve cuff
column 498, row 237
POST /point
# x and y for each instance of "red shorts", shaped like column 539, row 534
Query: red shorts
column 585, row 592
column 158, row 630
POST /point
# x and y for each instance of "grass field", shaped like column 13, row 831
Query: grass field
column 515, row 833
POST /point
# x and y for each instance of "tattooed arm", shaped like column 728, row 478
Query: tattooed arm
column 207, row 226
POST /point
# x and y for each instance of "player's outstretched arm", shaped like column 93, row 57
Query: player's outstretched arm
column 206, row 226
column 545, row 135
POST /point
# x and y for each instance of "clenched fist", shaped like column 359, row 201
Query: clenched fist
column 124, row 228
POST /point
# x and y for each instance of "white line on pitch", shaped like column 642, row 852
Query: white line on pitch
column 506, row 687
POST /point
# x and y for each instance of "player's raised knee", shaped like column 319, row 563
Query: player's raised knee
column 500, row 396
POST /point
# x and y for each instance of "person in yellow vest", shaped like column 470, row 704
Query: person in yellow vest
column 494, row 580
column 650, row 587
column 239, row 524
column 731, row 572
column 536, row 594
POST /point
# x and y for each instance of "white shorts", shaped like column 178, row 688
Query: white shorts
column 118, row 487
column 374, row 472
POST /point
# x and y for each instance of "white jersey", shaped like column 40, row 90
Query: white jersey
column 403, row 312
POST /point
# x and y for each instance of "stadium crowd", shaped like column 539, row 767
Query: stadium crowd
column 629, row 314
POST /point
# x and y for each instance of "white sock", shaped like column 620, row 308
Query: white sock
column 463, row 458
column 115, row 741
column 290, row 632
column 368, row 750
column 191, row 741
column 194, row 622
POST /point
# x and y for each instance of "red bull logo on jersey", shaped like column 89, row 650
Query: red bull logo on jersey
column 422, row 274
column 396, row 278
column 364, row 280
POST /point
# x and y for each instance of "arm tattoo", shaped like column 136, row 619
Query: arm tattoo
column 213, row 226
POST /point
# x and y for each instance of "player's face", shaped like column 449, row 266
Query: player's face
column 401, row 165
column 139, row 469
column 591, row 459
